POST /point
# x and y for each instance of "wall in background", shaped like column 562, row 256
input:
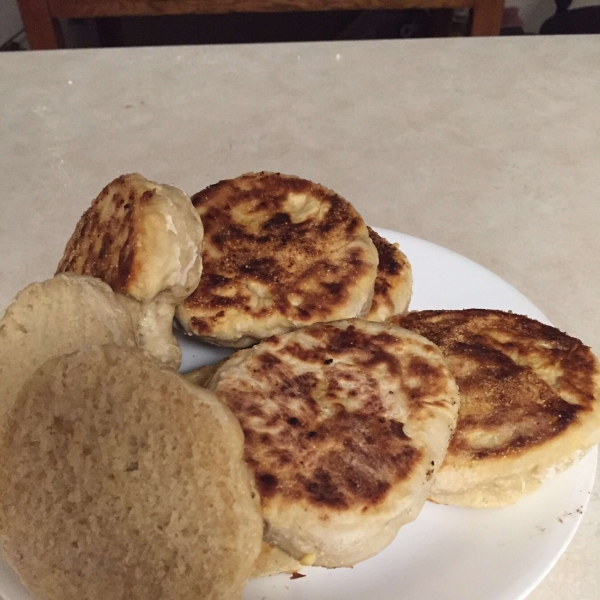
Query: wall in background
column 10, row 20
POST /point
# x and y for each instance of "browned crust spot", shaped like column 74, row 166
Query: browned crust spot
column 303, row 439
column 361, row 457
column 494, row 356
column 104, row 242
column 391, row 268
column 302, row 282
column 391, row 261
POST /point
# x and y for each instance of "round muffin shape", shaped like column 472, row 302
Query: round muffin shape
column 145, row 241
column 345, row 425
column 140, row 237
column 530, row 403
column 120, row 480
column 56, row 317
column 279, row 253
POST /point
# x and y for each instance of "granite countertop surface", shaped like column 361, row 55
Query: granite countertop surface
column 489, row 147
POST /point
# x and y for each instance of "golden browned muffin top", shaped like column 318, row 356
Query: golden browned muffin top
column 111, row 222
column 522, row 383
column 325, row 411
column 279, row 252
column 139, row 237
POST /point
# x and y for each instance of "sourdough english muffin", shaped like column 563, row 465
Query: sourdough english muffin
column 120, row 480
column 140, row 237
column 393, row 285
column 529, row 403
column 271, row 560
column 56, row 317
column 345, row 425
column 279, row 253
column 145, row 240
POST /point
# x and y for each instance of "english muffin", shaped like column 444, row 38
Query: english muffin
column 56, row 317
column 529, row 403
column 145, row 241
column 393, row 284
column 271, row 560
column 279, row 253
column 140, row 237
column 120, row 480
column 345, row 426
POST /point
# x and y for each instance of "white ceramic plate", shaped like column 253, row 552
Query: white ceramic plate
column 451, row 553
column 448, row 553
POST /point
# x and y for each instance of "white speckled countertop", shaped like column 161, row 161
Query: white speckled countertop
column 490, row 147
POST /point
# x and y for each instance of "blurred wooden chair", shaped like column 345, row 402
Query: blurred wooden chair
column 40, row 17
